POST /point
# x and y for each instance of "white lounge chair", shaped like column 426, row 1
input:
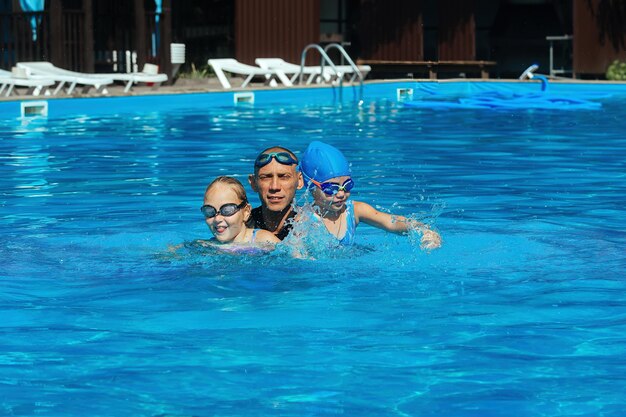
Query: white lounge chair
column 313, row 71
column 35, row 86
column 229, row 65
column 149, row 74
column 291, row 70
column 63, row 76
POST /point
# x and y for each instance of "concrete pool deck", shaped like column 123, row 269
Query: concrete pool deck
column 181, row 86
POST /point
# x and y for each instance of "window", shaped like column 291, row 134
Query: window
column 333, row 20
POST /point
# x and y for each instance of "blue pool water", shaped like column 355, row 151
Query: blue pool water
column 521, row 312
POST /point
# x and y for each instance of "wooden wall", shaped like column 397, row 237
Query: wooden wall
column 457, row 30
column 388, row 32
column 275, row 28
column 599, row 35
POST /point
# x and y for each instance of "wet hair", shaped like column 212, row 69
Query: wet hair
column 234, row 184
column 274, row 149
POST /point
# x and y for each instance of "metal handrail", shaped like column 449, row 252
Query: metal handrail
column 357, row 72
column 341, row 49
column 326, row 58
column 552, row 39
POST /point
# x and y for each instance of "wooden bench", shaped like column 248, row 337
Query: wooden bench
column 433, row 68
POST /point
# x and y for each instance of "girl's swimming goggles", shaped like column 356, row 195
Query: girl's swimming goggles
column 332, row 188
column 226, row 210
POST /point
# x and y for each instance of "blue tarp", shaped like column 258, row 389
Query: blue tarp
column 33, row 6
column 501, row 96
column 156, row 34
column 158, row 10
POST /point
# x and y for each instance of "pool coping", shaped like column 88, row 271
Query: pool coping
column 210, row 85
column 184, row 96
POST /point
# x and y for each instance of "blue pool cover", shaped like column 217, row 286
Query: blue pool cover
column 506, row 99
column 542, row 101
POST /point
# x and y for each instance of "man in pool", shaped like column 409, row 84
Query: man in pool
column 276, row 179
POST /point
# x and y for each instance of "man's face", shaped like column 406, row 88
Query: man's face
column 276, row 184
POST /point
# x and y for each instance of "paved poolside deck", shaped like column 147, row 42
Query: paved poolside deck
column 181, row 86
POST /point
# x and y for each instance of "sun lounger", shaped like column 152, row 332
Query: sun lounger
column 291, row 70
column 349, row 72
column 229, row 65
column 35, row 86
column 312, row 72
column 149, row 75
column 63, row 76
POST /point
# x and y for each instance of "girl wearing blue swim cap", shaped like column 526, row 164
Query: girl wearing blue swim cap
column 327, row 174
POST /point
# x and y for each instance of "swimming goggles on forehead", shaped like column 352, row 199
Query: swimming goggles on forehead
column 226, row 210
column 332, row 188
column 281, row 157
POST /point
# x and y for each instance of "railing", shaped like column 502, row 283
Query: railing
column 124, row 53
column 555, row 72
column 356, row 71
column 326, row 60
column 18, row 40
column 355, row 68
column 72, row 39
column 66, row 46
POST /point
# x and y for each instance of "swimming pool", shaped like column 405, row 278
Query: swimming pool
column 521, row 312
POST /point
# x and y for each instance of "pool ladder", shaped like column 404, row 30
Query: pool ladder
column 357, row 74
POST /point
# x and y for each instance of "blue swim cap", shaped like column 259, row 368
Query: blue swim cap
column 322, row 162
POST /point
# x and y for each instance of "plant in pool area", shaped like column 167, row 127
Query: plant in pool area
column 616, row 71
column 196, row 73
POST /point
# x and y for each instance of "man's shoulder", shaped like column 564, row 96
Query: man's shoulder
column 256, row 218
column 258, row 222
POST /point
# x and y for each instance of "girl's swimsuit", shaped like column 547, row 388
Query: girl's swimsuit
column 348, row 238
column 252, row 239
column 248, row 248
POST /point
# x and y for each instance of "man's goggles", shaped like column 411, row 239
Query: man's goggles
column 226, row 210
column 280, row 157
column 332, row 188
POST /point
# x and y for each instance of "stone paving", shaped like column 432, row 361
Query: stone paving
column 182, row 85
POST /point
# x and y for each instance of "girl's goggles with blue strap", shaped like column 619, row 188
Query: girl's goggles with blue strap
column 332, row 188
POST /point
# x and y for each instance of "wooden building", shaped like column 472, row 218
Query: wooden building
column 114, row 35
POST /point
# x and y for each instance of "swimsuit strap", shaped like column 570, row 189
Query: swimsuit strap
column 253, row 235
column 348, row 238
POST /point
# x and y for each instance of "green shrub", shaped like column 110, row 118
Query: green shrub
column 195, row 73
column 616, row 71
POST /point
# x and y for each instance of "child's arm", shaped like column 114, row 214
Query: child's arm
column 294, row 240
column 264, row 236
column 396, row 224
